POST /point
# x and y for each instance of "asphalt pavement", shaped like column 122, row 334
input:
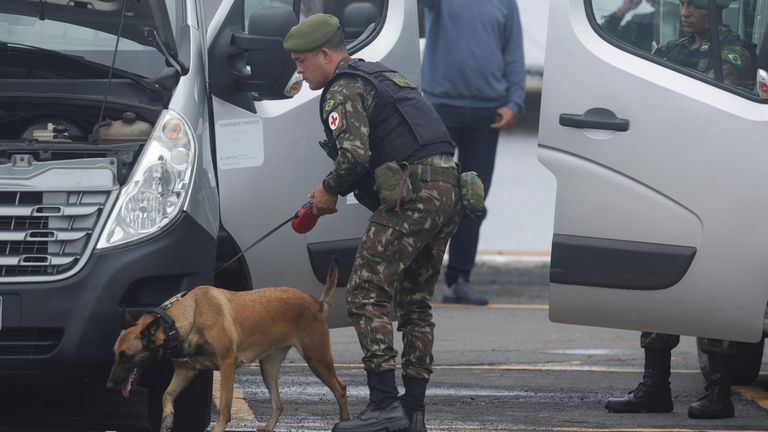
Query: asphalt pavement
column 503, row 367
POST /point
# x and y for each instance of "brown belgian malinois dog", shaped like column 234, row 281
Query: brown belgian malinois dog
column 212, row 328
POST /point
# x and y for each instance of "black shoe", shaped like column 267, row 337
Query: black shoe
column 416, row 420
column 389, row 418
column 461, row 292
column 413, row 402
column 643, row 398
column 715, row 404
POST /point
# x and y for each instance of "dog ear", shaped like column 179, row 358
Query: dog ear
column 149, row 334
column 127, row 320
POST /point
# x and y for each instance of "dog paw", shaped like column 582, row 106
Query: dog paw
column 167, row 424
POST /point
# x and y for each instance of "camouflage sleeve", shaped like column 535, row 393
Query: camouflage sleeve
column 344, row 111
column 738, row 67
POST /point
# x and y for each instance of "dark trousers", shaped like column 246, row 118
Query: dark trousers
column 476, row 143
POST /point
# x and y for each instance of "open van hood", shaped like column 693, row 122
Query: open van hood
column 146, row 22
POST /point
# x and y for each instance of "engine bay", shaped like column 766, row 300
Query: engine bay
column 48, row 131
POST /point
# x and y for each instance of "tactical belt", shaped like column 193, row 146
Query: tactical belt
column 430, row 173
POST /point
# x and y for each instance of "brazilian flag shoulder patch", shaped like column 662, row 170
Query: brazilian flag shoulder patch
column 330, row 104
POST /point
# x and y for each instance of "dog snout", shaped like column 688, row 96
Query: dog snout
column 116, row 377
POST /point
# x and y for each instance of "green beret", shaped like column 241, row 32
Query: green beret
column 311, row 33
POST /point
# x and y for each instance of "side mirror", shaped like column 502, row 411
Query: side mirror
column 762, row 83
column 272, row 71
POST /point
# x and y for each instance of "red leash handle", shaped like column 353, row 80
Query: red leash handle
column 304, row 219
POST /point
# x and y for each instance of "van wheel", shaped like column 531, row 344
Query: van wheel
column 743, row 366
column 192, row 407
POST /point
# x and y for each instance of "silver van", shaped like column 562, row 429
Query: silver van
column 661, row 216
column 145, row 143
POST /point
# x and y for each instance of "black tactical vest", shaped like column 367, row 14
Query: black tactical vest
column 700, row 59
column 403, row 125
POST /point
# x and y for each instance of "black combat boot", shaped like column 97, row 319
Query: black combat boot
column 413, row 402
column 383, row 413
column 653, row 394
column 716, row 402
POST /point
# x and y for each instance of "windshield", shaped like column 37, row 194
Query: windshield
column 91, row 44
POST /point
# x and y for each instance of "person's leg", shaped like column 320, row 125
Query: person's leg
column 415, row 320
column 476, row 143
column 477, row 152
column 653, row 394
column 716, row 401
column 369, row 293
column 390, row 245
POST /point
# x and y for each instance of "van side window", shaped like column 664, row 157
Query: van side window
column 359, row 18
column 678, row 33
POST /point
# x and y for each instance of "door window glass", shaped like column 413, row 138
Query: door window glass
column 359, row 18
column 678, row 33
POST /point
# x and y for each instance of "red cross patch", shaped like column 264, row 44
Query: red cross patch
column 333, row 120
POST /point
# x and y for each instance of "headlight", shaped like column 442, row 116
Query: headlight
column 158, row 187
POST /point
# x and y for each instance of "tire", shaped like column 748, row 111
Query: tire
column 743, row 366
column 192, row 407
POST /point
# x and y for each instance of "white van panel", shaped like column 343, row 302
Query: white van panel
column 268, row 173
column 688, row 172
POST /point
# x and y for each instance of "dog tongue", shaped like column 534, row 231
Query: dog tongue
column 129, row 383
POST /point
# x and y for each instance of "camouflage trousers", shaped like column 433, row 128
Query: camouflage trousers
column 399, row 260
column 667, row 342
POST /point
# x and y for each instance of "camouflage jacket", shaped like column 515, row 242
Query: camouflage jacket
column 346, row 108
column 737, row 56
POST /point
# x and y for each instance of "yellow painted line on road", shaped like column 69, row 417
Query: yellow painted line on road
column 568, row 366
column 755, row 394
column 575, row 429
column 493, row 306
column 241, row 412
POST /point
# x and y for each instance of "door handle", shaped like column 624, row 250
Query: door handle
column 595, row 118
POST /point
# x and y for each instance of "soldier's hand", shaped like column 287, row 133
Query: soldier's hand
column 324, row 202
column 505, row 118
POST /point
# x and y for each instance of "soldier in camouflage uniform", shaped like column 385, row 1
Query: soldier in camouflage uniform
column 401, row 252
column 653, row 394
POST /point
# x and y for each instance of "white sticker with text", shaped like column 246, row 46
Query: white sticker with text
column 239, row 143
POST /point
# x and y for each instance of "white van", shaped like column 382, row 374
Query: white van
column 661, row 218
column 122, row 186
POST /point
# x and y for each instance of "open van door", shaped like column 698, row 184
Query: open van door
column 266, row 143
column 661, row 219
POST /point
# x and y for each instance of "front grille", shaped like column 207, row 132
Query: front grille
column 46, row 233
column 29, row 342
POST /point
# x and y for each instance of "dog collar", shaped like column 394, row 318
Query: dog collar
column 172, row 344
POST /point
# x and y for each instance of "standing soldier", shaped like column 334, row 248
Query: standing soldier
column 392, row 150
column 653, row 394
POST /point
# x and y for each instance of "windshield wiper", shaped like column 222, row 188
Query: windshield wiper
column 138, row 79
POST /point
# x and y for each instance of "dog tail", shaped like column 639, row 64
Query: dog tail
column 330, row 288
